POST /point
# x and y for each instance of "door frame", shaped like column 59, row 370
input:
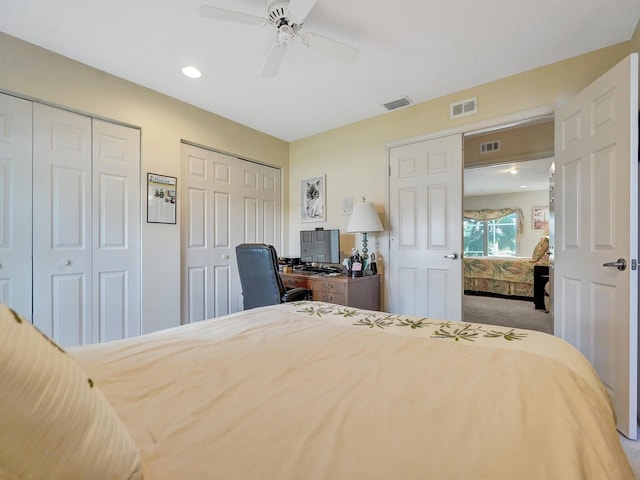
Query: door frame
column 482, row 126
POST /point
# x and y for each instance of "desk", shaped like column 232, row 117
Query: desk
column 359, row 292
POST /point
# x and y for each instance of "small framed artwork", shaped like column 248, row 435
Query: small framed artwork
column 161, row 198
column 540, row 218
column 312, row 194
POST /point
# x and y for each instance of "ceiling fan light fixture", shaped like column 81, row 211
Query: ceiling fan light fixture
column 191, row 72
column 287, row 18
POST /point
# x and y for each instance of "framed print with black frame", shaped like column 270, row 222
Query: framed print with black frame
column 161, row 198
column 313, row 197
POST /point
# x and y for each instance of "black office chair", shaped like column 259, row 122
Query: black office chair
column 261, row 283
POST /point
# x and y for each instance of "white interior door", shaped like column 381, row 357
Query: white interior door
column 86, row 227
column 116, row 231
column 596, row 211
column 63, row 301
column 425, row 201
column 15, row 203
column 260, row 191
column 225, row 201
column 195, row 233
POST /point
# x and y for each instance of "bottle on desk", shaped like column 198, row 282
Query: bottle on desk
column 356, row 265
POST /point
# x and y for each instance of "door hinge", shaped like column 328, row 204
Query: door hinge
column 634, row 264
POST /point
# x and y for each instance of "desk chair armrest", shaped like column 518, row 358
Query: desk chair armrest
column 296, row 294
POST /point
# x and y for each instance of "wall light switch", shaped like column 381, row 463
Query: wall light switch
column 347, row 205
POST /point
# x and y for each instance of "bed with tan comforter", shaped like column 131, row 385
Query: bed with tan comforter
column 317, row 391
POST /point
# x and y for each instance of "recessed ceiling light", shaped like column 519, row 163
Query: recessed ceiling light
column 524, row 186
column 513, row 171
column 191, row 72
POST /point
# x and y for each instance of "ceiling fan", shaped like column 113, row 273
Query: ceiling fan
column 287, row 17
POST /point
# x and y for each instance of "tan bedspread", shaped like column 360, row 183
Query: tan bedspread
column 317, row 391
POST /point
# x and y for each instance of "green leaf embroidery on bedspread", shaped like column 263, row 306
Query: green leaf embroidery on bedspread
column 467, row 332
column 451, row 330
column 509, row 336
column 374, row 322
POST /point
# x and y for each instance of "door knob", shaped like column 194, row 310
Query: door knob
column 620, row 264
column 225, row 257
column 453, row 256
column 65, row 262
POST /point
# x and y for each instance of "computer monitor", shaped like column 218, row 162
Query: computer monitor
column 320, row 246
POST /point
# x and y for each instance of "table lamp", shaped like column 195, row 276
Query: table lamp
column 364, row 219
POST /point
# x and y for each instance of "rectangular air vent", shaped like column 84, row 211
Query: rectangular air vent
column 463, row 108
column 401, row 102
column 490, row 147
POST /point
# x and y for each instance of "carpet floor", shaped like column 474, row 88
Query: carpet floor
column 506, row 312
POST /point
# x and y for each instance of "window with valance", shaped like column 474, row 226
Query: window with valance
column 492, row 232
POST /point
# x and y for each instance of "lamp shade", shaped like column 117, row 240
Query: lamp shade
column 364, row 218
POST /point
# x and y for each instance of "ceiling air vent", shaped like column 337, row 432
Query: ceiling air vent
column 401, row 102
column 490, row 147
column 463, row 108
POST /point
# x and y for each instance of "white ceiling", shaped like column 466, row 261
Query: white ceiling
column 514, row 177
column 413, row 48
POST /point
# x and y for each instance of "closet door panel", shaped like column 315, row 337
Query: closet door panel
column 116, row 231
column 270, row 197
column 15, row 203
column 225, row 201
column 62, row 300
column 195, row 233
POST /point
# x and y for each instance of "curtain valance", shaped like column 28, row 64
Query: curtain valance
column 494, row 214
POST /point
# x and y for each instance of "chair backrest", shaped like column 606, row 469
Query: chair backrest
column 258, row 269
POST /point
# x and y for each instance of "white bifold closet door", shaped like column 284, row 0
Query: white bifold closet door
column 15, row 203
column 86, row 227
column 225, row 201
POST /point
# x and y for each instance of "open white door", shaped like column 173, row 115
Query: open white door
column 425, row 205
column 596, row 211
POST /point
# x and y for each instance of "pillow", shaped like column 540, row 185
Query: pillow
column 54, row 422
column 541, row 248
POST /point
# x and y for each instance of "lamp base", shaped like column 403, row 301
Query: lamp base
column 365, row 250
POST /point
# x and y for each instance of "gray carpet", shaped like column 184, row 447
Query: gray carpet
column 506, row 312
column 632, row 449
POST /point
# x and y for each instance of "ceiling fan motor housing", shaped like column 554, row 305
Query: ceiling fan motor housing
column 279, row 17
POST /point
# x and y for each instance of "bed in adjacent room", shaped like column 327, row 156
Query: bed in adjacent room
column 504, row 276
column 307, row 390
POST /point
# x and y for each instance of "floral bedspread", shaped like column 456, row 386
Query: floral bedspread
column 504, row 276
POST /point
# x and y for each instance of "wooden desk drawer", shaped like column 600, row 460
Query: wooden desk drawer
column 328, row 286
column 294, row 282
column 329, row 297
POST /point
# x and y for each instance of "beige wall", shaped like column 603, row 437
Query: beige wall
column 353, row 157
column 35, row 73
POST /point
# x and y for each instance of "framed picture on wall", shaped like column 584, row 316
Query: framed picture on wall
column 540, row 218
column 313, row 198
column 161, row 198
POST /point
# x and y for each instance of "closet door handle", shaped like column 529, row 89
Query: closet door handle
column 453, row 256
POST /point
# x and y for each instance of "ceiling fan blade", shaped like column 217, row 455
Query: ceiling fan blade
column 299, row 9
column 272, row 64
column 230, row 15
column 338, row 50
